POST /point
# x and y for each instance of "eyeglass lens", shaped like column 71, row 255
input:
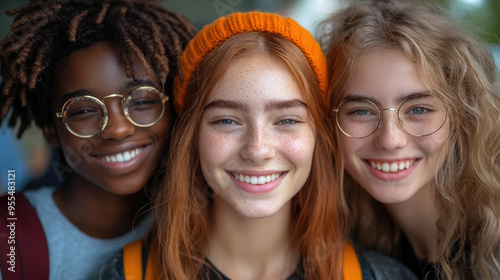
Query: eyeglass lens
column 86, row 115
column 422, row 116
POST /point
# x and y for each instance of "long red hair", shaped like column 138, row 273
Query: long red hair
column 183, row 207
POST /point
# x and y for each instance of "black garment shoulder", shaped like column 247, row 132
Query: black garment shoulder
column 211, row 272
column 405, row 254
column 113, row 269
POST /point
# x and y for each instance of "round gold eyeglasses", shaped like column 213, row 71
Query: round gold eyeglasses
column 86, row 116
column 359, row 118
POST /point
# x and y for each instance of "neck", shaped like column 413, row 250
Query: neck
column 247, row 248
column 97, row 212
column 417, row 218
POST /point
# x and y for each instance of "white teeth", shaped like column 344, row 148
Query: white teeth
column 386, row 167
column 119, row 158
column 126, row 156
column 262, row 180
column 256, row 180
column 394, row 167
column 122, row 157
column 391, row 166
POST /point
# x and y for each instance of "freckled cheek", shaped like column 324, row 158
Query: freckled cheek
column 349, row 147
column 300, row 147
column 435, row 147
column 216, row 147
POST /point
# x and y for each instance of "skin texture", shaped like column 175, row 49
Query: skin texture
column 104, row 189
column 255, row 123
column 385, row 75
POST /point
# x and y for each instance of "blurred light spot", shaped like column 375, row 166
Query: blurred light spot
column 476, row 3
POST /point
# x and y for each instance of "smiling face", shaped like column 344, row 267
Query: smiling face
column 391, row 164
column 256, row 138
column 121, row 158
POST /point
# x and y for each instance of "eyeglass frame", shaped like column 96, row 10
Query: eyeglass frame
column 164, row 98
column 380, row 120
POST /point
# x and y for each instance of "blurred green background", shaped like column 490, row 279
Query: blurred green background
column 483, row 16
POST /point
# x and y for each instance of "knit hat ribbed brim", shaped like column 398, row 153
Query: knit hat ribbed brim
column 212, row 35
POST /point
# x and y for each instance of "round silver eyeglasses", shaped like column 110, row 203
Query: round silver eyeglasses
column 86, row 116
column 422, row 116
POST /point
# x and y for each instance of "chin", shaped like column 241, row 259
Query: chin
column 258, row 212
column 390, row 196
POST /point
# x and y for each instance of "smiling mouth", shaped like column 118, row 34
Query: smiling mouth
column 122, row 157
column 391, row 167
column 256, row 180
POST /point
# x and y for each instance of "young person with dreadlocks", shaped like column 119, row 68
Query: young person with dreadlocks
column 96, row 76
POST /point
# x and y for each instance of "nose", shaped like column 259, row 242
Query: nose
column 258, row 145
column 389, row 135
column 118, row 127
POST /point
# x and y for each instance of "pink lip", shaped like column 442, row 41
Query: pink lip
column 120, row 168
column 392, row 176
column 258, row 189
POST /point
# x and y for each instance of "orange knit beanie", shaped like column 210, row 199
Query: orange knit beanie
column 212, row 35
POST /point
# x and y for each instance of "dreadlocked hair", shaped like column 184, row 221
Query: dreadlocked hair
column 46, row 31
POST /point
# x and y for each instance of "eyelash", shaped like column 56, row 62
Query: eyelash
column 282, row 121
column 222, row 122
column 292, row 121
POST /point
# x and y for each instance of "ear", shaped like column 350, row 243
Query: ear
column 50, row 133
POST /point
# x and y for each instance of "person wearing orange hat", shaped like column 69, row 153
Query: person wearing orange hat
column 251, row 193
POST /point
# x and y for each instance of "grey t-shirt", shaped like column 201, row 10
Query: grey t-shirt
column 72, row 253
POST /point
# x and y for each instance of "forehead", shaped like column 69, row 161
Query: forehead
column 96, row 69
column 254, row 78
column 385, row 75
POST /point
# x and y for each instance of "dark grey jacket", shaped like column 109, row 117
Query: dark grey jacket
column 373, row 267
column 378, row 267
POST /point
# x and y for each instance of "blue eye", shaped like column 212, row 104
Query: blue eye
column 226, row 122
column 362, row 112
column 418, row 110
column 287, row 121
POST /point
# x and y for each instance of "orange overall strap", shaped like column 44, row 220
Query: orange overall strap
column 352, row 268
column 149, row 270
column 132, row 260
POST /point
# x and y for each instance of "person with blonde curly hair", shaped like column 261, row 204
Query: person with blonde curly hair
column 416, row 103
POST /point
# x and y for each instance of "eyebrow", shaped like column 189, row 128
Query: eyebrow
column 269, row 106
column 277, row 105
column 79, row 92
column 128, row 86
column 397, row 100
